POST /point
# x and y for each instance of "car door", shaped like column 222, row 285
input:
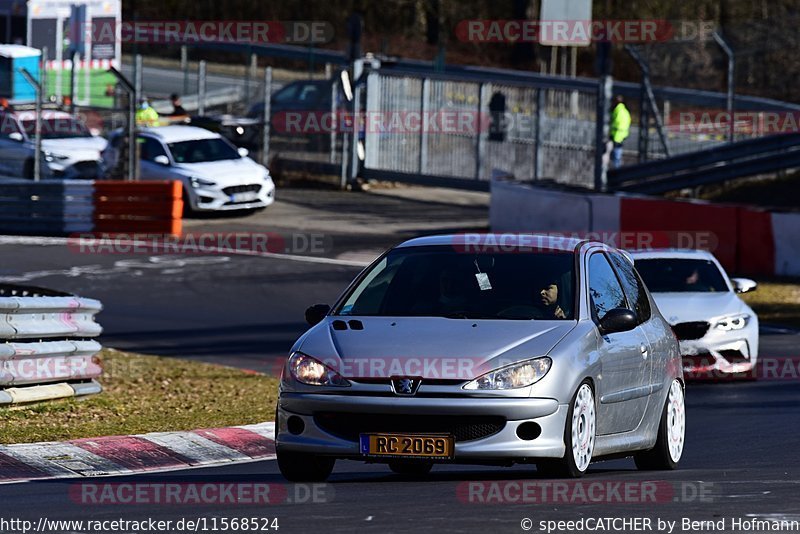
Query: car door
column 623, row 386
column 149, row 148
column 13, row 152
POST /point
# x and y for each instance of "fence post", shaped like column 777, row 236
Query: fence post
column 251, row 75
column 72, row 75
column 537, row 156
column 480, row 142
column 423, row 134
column 201, row 90
column 267, row 116
column 185, row 69
column 334, row 116
column 644, row 123
column 37, row 155
column 43, row 72
column 358, row 70
column 137, row 75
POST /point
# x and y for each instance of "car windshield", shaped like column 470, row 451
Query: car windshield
column 674, row 275
column 60, row 128
column 439, row 281
column 202, row 150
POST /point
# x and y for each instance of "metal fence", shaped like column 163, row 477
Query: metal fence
column 524, row 130
column 46, row 351
column 528, row 126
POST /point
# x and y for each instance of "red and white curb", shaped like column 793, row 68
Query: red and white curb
column 122, row 455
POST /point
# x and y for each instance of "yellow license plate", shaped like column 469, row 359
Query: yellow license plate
column 433, row 446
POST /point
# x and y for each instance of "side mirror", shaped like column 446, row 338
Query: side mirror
column 243, row 152
column 316, row 313
column 618, row 320
column 16, row 136
column 744, row 285
column 162, row 160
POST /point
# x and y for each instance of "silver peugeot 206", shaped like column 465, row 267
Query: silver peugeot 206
column 485, row 349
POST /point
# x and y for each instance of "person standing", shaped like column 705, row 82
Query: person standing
column 620, row 128
column 146, row 116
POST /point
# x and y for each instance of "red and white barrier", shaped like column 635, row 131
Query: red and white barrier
column 746, row 240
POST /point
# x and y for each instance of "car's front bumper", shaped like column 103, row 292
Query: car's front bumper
column 719, row 354
column 78, row 170
column 504, row 445
column 216, row 199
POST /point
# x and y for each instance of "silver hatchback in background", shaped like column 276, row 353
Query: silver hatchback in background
column 491, row 349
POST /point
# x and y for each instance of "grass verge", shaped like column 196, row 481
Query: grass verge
column 147, row 394
column 776, row 302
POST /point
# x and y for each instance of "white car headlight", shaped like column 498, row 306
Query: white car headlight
column 200, row 182
column 51, row 156
column 734, row 322
column 312, row 372
column 518, row 375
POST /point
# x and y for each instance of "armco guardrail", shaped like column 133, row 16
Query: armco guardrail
column 46, row 351
column 66, row 207
column 719, row 164
column 46, row 207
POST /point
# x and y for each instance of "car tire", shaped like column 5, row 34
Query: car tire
column 304, row 467
column 580, row 433
column 187, row 204
column 410, row 468
column 671, row 434
column 27, row 170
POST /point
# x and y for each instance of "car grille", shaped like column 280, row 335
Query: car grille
column 464, row 428
column 242, row 189
column 689, row 331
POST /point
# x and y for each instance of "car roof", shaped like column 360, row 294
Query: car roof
column 175, row 134
column 672, row 253
column 489, row 241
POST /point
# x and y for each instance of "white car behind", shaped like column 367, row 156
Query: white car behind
column 215, row 174
column 69, row 149
column 718, row 332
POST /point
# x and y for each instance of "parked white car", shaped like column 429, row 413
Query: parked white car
column 717, row 331
column 215, row 174
column 69, row 150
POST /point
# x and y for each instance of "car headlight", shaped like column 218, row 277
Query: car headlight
column 518, row 375
column 200, row 182
column 734, row 322
column 312, row 372
column 50, row 156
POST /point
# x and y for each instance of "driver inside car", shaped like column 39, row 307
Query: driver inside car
column 548, row 297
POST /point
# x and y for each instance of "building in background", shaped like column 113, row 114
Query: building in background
column 90, row 28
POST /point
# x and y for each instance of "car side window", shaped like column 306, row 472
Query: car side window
column 605, row 291
column 150, row 148
column 634, row 287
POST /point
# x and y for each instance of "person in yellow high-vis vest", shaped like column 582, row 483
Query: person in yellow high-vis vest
column 146, row 116
column 620, row 128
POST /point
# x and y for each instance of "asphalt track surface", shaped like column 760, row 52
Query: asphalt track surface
column 742, row 439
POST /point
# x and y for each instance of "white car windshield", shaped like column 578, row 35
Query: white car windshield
column 202, row 150
column 675, row 275
column 60, row 128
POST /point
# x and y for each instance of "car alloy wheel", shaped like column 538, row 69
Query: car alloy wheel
column 584, row 424
column 676, row 421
